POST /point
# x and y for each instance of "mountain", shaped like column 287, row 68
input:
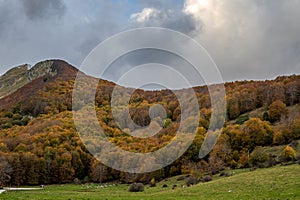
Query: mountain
column 19, row 76
column 39, row 142
column 26, row 85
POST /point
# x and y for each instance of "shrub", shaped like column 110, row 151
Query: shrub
column 258, row 157
column 136, row 187
column 288, row 153
column 282, row 136
column 152, row 183
column 207, row 178
column 76, row 181
column 233, row 164
column 191, row 181
column 165, row 186
column 244, row 161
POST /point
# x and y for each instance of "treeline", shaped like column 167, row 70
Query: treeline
column 39, row 143
column 48, row 150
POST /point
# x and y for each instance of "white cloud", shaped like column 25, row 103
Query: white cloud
column 145, row 14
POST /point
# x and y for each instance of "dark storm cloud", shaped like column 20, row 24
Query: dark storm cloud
column 37, row 9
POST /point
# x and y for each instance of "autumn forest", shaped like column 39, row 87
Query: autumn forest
column 39, row 143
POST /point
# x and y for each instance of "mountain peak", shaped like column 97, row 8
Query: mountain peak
column 19, row 76
column 40, row 69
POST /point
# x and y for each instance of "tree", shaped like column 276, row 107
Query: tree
column 66, row 171
column 77, row 165
column 220, row 155
column 233, row 108
column 260, row 132
column 5, row 171
column 295, row 128
column 244, row 160
column 277, row 110
column 237, row 138
column 99, row 172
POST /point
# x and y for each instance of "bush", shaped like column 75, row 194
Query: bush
column 136, row 187
column 152, row 183
column 288, row 153
column 76, row 181
column 258, row 157
column 233, row 164
column 191, row 181
column 207, row 178
column 244, row 161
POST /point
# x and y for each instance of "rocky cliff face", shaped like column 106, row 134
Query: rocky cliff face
column 40, row 70
column 19, row 76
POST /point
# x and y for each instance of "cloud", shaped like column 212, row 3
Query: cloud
column 172, row 19
column 31, row 31
column 249, row 39
column 36, row 9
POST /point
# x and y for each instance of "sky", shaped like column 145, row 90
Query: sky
column 247, row 39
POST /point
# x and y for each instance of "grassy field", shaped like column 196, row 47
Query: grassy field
column 280, row 182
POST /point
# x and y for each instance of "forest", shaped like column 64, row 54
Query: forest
column 39, row 143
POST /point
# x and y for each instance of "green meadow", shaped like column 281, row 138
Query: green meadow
column 280, row 182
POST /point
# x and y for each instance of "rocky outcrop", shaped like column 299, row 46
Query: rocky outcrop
column 41, row 69
column 19, row 76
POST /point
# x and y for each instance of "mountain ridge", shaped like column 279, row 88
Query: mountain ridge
column 19, row 76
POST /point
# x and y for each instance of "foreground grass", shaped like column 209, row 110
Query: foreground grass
column 280, row 182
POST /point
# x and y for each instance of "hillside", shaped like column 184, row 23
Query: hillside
column 39, row 143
